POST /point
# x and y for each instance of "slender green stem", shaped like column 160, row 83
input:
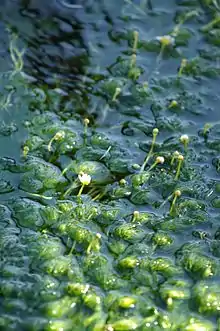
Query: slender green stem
column 177, row 194
column 86, row 123
column 93, row 190
column 182, row 67
column 116, row 94
column 72, row 248
column 16, row 56
column 210, row 25
column 66, row 169
column 7, row 100
column 174, row 157
column 135, row 45
column 49, row 146
column 185, row 145
column 80, row 190
column 133, row 60
column 166, row 200
column 69, row 190
column 40, row 196
column 180, row 161
column 89, row 248
column 99, row 196
column 155, row 133
column 153, row 165
column 85, row 135
column 160, row 55
column 173, row 205
column 182, row 21
column 172, row 160
column 105, row 154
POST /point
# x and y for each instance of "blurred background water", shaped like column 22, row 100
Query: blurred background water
column 71, row 45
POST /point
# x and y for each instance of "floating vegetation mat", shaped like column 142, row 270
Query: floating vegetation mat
column 109, row 212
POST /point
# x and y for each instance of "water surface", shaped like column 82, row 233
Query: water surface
column 160, row 271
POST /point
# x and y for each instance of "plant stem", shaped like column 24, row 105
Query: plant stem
column 210, row 25
column 177, row 194
column 67, row 168
column 80, row 190
column 40, row 196
column 50, row 144
column 153, row 165
column 155, row 133
column 86, row 123
column 72, row 248
column 182, row 66
column 173, row 205
column 180, row 161
column 172, row 160
column 135, row 45
column 116, row 94
column 69, row 190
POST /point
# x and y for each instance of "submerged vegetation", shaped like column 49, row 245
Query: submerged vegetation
column 110, row 216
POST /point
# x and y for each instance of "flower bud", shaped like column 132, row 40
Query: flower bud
column 160, row 159
column 184, row 139
column 155, row 131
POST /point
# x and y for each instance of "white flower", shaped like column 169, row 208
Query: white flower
column 184, row 139
column 166, row 40
column 160, row 159
column 85, row 179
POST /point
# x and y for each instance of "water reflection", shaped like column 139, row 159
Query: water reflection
column 56, row 49
column 67, row 43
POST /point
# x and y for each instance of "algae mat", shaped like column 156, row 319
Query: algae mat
column 109, row 158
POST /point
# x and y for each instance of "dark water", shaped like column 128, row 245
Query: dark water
column 72, row 47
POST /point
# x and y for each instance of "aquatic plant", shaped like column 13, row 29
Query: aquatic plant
column 116, row 94
column 85, row 180
column 159, row 160
column 165, row 41
column 89, row 239
column 16, row 55
column 150, row 153
column 58, row 136
column 174, row 157
column 176, row 195
column 182, row 67
column 180, row 159
column 184, row 139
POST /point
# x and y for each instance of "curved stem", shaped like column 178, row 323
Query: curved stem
column 149, row 154
column 173, row 205
column 50, row 144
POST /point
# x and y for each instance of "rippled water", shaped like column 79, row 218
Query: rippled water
column 71, row 50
